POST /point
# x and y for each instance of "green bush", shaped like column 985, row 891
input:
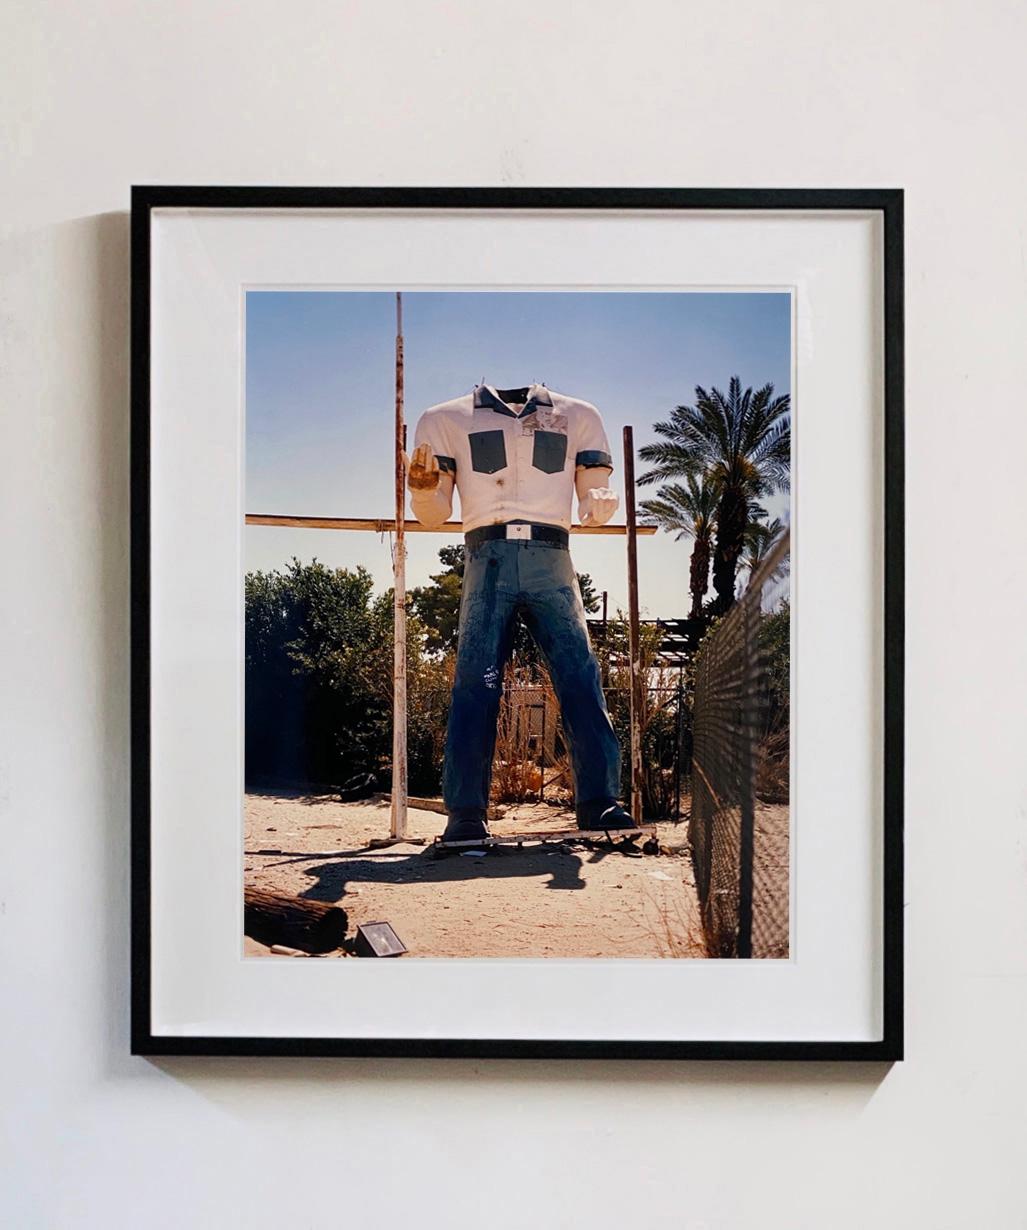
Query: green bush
column 319, row 651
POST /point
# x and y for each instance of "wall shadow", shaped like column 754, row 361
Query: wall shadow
column 229, row 1082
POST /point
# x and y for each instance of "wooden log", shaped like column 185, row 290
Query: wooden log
column 312, row 926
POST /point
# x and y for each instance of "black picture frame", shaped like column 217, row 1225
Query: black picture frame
column 889, row 202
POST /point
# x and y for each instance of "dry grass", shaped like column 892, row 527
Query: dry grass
column 516, row 771
column 673, row 919
column 772, row 776
column 527, row 748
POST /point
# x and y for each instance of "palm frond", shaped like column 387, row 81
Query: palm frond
column 740, row 441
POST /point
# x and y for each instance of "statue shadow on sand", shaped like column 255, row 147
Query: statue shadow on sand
column 562, row 866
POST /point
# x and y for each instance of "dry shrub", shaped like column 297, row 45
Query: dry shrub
column 674, row 924
column 772, row 767
column 560, row 781
column 516, row 773
column 658, row 718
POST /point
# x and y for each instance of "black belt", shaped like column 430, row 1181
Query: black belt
column 518, row 531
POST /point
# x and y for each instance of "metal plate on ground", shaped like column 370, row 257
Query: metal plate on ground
column 377, row 939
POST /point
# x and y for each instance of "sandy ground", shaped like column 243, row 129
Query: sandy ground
column 555, row 900
column 770, row 881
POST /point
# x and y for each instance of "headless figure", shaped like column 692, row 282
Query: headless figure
column 518, row 565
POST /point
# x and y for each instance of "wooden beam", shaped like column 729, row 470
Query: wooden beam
column 383, row 525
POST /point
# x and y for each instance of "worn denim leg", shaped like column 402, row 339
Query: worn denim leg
column 555, row 616
column 487, row 606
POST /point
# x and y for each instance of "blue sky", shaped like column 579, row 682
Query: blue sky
column 320, row 401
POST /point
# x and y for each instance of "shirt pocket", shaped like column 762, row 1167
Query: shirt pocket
column 488, row 451
column 549, row 453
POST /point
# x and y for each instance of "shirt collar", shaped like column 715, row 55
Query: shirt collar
column 486, row 395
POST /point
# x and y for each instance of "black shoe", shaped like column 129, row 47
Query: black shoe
column 613, row 817
column 465, row 830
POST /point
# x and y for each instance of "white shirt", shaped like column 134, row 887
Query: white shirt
column 511, row 463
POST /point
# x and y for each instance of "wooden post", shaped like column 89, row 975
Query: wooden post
column 634, row 652
column 398, row 817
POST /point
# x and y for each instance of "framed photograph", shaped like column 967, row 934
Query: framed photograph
column 517, row 622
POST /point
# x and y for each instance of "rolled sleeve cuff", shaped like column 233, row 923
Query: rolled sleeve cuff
column 590, row 457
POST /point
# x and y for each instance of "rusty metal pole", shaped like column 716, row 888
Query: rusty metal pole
column 398, row 817
column 634, row 651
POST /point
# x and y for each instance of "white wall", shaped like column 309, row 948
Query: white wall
column 929, row 96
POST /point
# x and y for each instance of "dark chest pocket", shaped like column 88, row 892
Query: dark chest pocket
column 488, row 451
column 549, row 452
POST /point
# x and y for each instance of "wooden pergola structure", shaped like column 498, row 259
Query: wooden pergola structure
column 399, row 526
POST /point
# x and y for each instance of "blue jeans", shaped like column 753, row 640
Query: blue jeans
column 504, row 577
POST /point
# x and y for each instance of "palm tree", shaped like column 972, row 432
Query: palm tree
column 760, row 536
column 741, row 444
column 690, row 510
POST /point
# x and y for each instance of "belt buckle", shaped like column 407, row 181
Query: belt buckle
column 518, row 531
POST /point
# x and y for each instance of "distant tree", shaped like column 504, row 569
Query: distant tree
column 438, row 605
column 741, row 445
column 590, row 597
column 453, row 557
column 760, row 536
column 318, row 703
column 775, row 633
column 689, row 508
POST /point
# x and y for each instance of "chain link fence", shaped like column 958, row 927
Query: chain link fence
column 738, row 829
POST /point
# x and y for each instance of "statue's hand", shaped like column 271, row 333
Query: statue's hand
column 423, row 471
column 599, row 505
